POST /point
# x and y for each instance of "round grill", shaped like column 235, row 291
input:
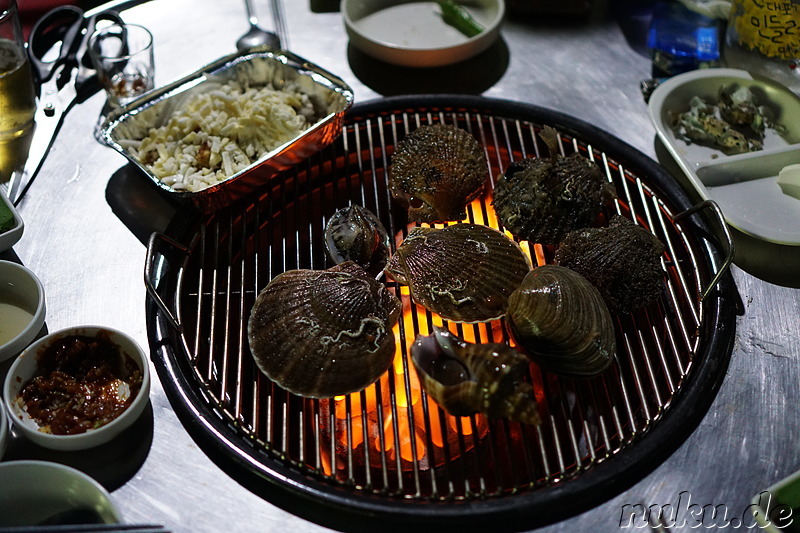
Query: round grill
column 389, row 449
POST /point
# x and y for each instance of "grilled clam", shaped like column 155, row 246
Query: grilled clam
column 541, row 199
column 354, row 233
column 622, row 260
column 323, row 333
column 465, row 378
column 464, row 272
column 436, row 171
column 562, row 322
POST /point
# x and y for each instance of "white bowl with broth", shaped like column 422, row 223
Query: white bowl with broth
column 22, row 308
column 414, row 33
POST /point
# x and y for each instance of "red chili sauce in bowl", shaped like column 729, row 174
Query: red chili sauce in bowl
column 82, row 384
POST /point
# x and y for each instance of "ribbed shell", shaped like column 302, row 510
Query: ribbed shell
column 465, row 378
column 622, row 260
column 562, row 322
column 323, row 333
column 435, row 171
column 541, row 199
column 464, row 272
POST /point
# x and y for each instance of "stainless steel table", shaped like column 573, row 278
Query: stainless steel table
column 86, row 244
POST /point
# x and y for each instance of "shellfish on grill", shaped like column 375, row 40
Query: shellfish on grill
column 562, row 322
column 622, row 260
column 323, row 333
column 464, row 272
column 466, row 378
column 435, row 171
column 354, row 233
column 541, row 199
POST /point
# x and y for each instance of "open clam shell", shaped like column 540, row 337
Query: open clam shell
column 465, row 378
column 464, row 272
column 324, row 333
column 436, row 171
column 562, row 322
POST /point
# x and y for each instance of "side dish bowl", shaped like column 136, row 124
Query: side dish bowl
column 414, row 34
column 22, row 308
column 329, row 96
column 745, row 185
column 10, row 236
column 39, row 493
column 3, row 430
column 27, row 366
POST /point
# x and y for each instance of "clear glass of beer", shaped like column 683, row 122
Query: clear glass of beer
column 17, row 93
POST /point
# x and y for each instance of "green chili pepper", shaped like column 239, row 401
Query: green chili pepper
column 458, row 17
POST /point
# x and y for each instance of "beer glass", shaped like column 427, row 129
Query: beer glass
column 17, row 93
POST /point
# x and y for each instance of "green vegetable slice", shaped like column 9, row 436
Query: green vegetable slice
column 458, row 17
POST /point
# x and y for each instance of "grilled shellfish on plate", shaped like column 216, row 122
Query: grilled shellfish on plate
column 466, row 378
column 464, row 272
column 324, row 333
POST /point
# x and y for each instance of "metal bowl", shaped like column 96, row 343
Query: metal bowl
column 330, row 96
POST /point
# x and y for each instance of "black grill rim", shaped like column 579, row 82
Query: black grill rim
column 337, row 507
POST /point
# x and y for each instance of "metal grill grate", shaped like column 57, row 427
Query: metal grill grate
column 391, row 440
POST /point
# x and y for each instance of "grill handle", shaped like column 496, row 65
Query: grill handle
column 726, row 264
column 149, row 280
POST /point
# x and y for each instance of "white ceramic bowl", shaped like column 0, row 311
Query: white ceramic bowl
column 10, row 237
column 38, row 491
column 25, row 367
column 412, row 33
column 22, row 308
column 3, row 430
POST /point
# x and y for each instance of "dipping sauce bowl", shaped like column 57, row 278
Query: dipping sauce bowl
column 102, row 372
column 22, row 308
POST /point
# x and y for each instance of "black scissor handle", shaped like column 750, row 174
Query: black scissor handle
column 61, row 26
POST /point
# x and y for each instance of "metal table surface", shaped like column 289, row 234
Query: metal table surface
column 86, row 228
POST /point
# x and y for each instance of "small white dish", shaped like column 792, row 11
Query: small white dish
column 412, row 33
column 22, row 308
column 26, row 367
column 3, row 430
column 10, row 237
column 37, row 492
column 744, row 185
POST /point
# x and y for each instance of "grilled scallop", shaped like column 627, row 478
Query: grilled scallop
column 323, row 333
column 464, row 272
column 622, row 260
column 541, row 199
column 436, row 171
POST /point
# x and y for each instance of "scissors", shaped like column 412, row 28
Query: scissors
column 57, row 49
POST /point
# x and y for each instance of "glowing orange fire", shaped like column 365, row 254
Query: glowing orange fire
column 392, row 422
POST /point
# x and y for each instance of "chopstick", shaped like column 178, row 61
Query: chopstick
column 88, row 528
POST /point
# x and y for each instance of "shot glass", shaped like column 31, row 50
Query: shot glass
column 122, row 55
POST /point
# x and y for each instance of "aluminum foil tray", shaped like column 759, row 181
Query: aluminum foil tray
column 330, row 96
